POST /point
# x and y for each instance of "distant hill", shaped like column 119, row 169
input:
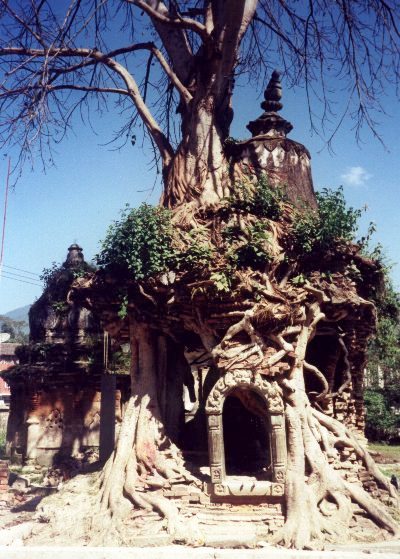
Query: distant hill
column 20, row 314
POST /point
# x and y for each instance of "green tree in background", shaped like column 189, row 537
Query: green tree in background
column 16, row 329
column 382, row 395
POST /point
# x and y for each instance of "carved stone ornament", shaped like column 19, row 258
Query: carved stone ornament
column 246, row 379
column 270, row 122
column 221, row 485
column 278, row 489
column 280, row 476
column 220, row 489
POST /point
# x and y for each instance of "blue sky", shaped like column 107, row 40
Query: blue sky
column 78, row 199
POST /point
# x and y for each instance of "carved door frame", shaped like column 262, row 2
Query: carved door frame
column 269, row 391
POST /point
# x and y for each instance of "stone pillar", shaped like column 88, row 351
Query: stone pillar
column 33, row 428
column 216, row 448
column 107, row 416
column 278, row 447
column 33, row 435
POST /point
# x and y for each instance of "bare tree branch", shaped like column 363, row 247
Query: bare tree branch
column 96, row 56
column 163, row 16
column 321, row 45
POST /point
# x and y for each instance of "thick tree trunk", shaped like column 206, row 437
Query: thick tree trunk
column 145, row 460
column 198, row 172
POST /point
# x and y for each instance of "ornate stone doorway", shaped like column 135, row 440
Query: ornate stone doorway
column 268, row 395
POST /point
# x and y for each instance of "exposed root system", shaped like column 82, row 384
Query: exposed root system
column 266, row 322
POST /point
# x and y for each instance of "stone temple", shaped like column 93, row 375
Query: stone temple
column 56, row 387
column 69, row 389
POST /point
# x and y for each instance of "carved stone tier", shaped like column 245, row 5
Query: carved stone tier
column 285, row 162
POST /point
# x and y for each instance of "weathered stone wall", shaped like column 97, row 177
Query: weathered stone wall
column 3, row 479
column 49, row 421
column 55, row 405
column 286, row 163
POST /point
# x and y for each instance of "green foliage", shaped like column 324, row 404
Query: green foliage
column 305, row 231
column 7, row 328
column 222, row 283
column 255, row 251
column 123, row 309
column 2, row 442
column 383, row 368
column 261, row 199
column 16, row 328
column 199, row 251
column 119, row 363
column 57, row 280
column 323, row 228
column 139, row 244
column 382, row 423
column 37, row 352
column 337, row 220
column 384, row 348
column 48, row 275
column 299, row 280
column 250, row 247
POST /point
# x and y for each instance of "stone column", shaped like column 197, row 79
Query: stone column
column 216, row 448
column 33, row 435
column 107, row 416
column 278, row 447
column 33, row 429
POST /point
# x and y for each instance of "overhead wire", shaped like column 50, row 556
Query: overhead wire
column 13, row 274
column 20, row 280
column 21, row 270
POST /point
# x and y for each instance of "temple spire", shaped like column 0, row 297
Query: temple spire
column 270, row 123
column 75, row 257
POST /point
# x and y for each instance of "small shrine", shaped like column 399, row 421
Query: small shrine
column 56, row 389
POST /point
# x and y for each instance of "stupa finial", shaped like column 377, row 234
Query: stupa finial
column 75, row 257
column 273, row 93
column 270, row 123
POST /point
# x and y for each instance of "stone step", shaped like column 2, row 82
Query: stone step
column 235, row 517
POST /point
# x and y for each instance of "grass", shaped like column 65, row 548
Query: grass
column 389, row 452
column 389, row 456
column 2, row 443
column 393, row 470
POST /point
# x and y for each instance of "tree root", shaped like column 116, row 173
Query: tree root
column 270, row 337
column 322, row 504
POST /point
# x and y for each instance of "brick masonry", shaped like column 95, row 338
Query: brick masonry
column 3, row 476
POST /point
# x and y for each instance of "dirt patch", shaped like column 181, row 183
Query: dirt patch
column 385, row 454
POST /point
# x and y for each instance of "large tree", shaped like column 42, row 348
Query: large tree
column 267, row 305
column 57, row 59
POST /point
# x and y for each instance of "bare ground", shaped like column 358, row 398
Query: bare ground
column 65, row 519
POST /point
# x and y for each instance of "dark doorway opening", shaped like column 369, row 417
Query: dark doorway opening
column 246, row 437
column 326, row 353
